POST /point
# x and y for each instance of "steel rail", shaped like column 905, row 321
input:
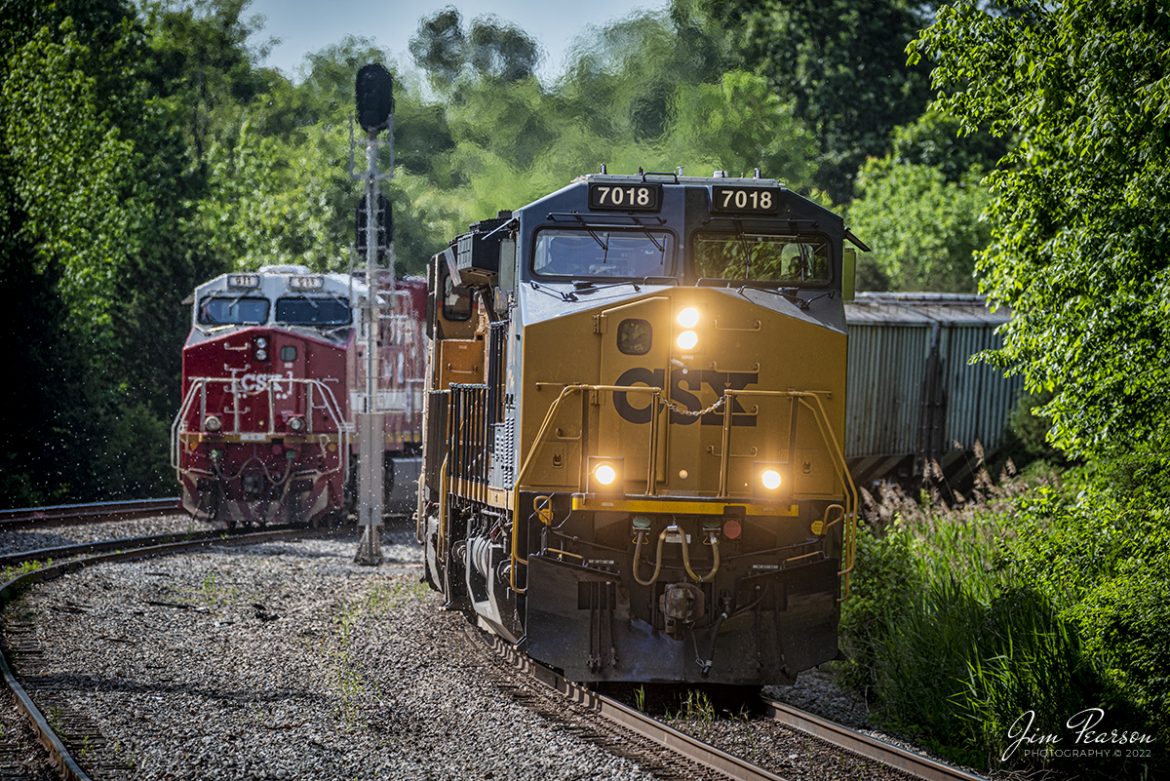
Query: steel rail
column 677, row 742
column 864, row 745
column 59, row 552
column 144, row 547
column 90, row 511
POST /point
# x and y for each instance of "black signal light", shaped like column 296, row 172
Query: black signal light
column 375, row 97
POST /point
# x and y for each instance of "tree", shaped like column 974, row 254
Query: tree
column 924, row 229
column 1080, row 209
column 491, row 49
column 842, row 63
column 440, row 46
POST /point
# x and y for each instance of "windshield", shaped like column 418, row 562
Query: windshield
column 221, row 310
column 785, row 260
column 604, row 253
column 302, row 310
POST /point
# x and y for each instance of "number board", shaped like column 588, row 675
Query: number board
column 745, row 200
column 625, row 197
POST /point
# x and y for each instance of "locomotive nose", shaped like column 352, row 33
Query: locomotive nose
column 262, row 346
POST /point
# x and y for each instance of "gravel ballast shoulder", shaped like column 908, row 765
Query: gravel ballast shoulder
column 282, row 661
column 37, row 537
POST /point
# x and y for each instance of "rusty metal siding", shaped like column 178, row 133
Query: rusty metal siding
column 890, row 337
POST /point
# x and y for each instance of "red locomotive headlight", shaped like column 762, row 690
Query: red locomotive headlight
column 212, row 424
column 296, row 424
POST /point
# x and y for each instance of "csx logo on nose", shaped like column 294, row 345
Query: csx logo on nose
column 681, row 384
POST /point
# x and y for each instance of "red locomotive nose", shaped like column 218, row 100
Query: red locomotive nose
column 262, row 347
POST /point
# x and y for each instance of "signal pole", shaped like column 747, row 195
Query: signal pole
column 375, row 109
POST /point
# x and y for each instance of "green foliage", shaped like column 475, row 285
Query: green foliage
column 1079, row 216
column 275, row 202
column 490, row 50
column 936, row 140
column 1027, row 435
column 1042, row 595
column 924, row 229
column 842, row 65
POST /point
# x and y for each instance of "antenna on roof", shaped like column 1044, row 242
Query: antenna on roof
column 603, row 169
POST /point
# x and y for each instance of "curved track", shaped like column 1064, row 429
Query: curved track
column 91, row 512
column 127, row 549
column 869, row 747
column 694, row 750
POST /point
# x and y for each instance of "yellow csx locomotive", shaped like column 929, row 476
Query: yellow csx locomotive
column 634, row 417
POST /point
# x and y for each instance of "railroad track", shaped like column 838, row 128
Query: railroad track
column 867, row 746
column 694, row 750
column 126, row 550
column 92, row 512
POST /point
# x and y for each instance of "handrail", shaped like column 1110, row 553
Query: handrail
column 329, row 404
column 819, row 414
column 836, row 454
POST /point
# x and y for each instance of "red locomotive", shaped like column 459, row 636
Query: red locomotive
column 273, row 372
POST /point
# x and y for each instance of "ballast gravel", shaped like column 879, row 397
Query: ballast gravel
column 282, row 661
column 38, row 537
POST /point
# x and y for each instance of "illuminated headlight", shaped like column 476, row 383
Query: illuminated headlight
column 262, row 355
column 688, row 318
column 212, row 423
column 296, row 424
column 605, row 473
column 770, row 478
column 261, row 342
column 687, row 340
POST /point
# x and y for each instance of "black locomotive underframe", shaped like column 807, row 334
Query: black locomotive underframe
column 778, row 622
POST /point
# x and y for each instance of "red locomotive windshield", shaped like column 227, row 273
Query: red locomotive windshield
column 235, row 310
column 302, row 310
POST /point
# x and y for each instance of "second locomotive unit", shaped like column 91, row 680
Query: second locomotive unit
column 273, row 371
column 633, row 423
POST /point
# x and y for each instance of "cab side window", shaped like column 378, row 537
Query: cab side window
column 457, row 300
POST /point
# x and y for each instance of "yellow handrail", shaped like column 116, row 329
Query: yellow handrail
column 819, row 415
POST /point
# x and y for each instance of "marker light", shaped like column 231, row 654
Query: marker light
column 770, row 478
column 687, row 340
column 604, row 474
column 296, row 424
column 688, row 318
column 212, row 423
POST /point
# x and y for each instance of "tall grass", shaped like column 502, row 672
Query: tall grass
column 969, row 613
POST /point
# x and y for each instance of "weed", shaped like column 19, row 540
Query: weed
column 697, row 706
column 24, row 568
column 640, row 698
column 214, row 594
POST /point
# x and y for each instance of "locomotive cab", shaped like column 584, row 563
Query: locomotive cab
column 632, row 458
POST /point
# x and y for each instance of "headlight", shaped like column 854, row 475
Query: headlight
column 688, row 317
column 262, row 355
column 212, row 423
column 771, row 479
column 604, row 473
column 687, row 340
column 261, row 342
column 296, row 424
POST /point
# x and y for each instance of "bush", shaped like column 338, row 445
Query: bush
column 1042, row 594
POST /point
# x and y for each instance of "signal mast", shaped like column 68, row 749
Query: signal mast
column 375, row 239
